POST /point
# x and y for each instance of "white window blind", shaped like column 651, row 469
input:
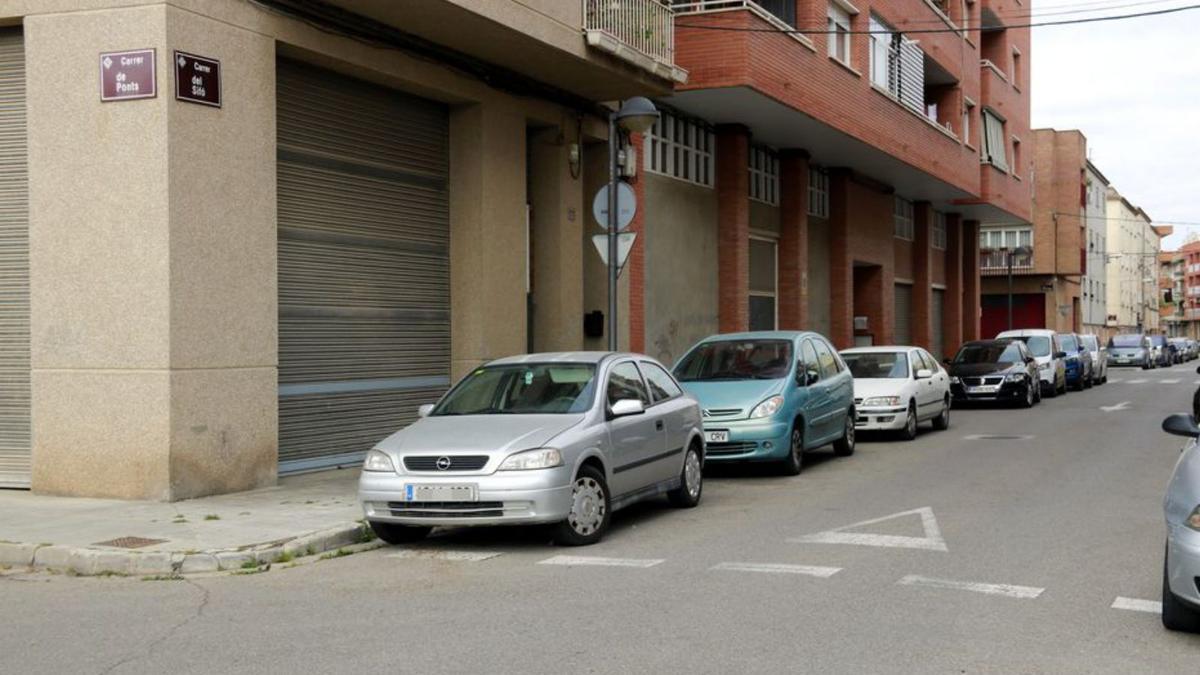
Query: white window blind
column 681, row 148
column 837, row 26
column 897, row 65
column 764, row 175
column 818, row 192
column 993, row 140
column 902, row 218
column 938, row 234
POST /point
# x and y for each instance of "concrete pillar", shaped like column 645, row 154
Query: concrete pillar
column 922, row 266
column 487, row 235
column 733, row 227
column 793, row 240
column 841, row 266
column 153, row 256
column 557, row 227
column 971, row 285
column 952, row 310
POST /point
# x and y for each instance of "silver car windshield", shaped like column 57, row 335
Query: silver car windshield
column 525, row 389
column 737, row 360
column 1039, row 345
column 878, row 365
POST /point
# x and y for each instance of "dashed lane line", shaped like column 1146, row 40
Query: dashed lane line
column 1138, row 381
column 439, row 554
column 1136, row 605
column 1171, row 381
column 592, row 561
column 1006, row 590
column 771, row 568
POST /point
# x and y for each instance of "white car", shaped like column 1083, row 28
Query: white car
column 897, row 388
column 1045, row 347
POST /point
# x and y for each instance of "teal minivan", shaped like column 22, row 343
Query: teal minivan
column 770, row 396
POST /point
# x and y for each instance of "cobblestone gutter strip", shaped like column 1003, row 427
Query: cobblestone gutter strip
column 85, row 561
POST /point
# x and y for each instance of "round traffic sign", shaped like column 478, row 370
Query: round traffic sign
column 626, row 205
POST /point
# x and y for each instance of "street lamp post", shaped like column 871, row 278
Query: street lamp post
column 1009, row 255
column 636, row 116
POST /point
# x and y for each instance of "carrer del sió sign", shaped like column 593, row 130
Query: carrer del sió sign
column 128, row 75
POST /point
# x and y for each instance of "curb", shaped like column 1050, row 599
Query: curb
column 85, row 561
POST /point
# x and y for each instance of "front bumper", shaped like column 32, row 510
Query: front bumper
column 1183, row 563
column 880, row 419
column 1009, row 391
column 749, row 440
column 503, row 498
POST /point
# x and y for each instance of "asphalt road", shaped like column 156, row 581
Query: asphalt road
column 1010, row 559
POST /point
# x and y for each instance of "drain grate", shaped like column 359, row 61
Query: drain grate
column 996, row 437
column 130, row 542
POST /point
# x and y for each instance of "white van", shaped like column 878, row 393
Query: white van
column 1044, row 345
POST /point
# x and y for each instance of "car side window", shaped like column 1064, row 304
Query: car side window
column 808, row 357
column 625, row 382
column 662, row 387
column 825, row 359
column 932, row 362
column 918, row 362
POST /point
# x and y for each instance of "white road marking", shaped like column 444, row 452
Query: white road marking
column 771, row 568
column 1135, row 605
column 1171, row 381
column 1196, row 382
column 1007, row 590
column 932, row 541
column 592, row 561
column 1115, row 379
column 1114, row 408
column 1139, row 381
column 997, row 437
column 437, row 554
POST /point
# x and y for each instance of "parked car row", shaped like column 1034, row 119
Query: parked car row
column 1151, row 351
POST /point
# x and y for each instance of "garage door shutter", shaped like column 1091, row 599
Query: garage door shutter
column 14, row 267
column 903, row 333
column 938, row 348
column 364, row 285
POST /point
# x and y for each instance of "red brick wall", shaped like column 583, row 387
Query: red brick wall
column 921, row 275
column 952, row 312
column 733, row 223
column 970, row 281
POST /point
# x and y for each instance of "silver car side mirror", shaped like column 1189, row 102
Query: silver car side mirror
column 1181, row 424
column 626, row 407
column 424, row 410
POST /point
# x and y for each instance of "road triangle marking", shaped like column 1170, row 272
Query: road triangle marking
column 932, row 541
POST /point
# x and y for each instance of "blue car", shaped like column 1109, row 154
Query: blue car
column 1078, row 367
column 770, row 396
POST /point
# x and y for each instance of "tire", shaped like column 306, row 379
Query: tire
column 590, row 510
column 1053, row 393
column 1089, row 382
column 1176, row 614
column 793, row 464
column 942, row 421
column 1037, row 392
column 844, row 446
column 909, row 432
column 691, row 477
column 399, row 534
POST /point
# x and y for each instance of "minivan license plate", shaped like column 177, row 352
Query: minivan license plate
column 717, row 436
column 441, row 493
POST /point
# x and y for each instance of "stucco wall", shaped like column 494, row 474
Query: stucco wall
column 681, row 266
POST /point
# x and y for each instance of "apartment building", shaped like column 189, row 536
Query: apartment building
column 1038, row 267
column 251, row 238
column 1172, row 290
column 822, row 168
column 1094, row 284
column 1133, row 249
column 1185, row 278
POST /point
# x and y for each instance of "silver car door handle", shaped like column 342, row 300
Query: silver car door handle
column 658, row 425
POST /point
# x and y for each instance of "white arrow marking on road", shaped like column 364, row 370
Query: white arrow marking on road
column 771, row 568
column 932, row 541
column 436, row 554
column 1022, row 592
column 1135, row 605
column 1115, row 408
column 589, row 561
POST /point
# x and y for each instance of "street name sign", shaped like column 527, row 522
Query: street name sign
column 197, row 79
column 128, row 75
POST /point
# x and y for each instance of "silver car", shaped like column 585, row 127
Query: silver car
column 564, row 438
column 1181, row 567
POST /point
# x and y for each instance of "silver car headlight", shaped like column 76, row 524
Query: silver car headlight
column 881, row 401
column 767, row 408
column 378, row 460
column 542, row 458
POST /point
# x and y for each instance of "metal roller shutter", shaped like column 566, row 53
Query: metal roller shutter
column 938, row 348
column 14, row 267
column 364, row 270
column 903, row 332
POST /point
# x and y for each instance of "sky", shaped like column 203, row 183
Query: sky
column 1133, row 88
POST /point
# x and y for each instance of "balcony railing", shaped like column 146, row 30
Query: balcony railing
column 781, row 14
column 639, row 31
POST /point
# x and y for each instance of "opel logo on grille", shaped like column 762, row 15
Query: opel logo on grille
column 443, row 463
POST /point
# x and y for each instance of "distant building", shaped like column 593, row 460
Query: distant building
column 1094, row 284
column 1133, row 248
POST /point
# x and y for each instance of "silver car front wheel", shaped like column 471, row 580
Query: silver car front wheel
column 588, row 517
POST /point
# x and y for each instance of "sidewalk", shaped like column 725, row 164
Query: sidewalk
column 303, row 515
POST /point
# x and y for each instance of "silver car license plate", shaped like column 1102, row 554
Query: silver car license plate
column 716, row 436
column 441, row 493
